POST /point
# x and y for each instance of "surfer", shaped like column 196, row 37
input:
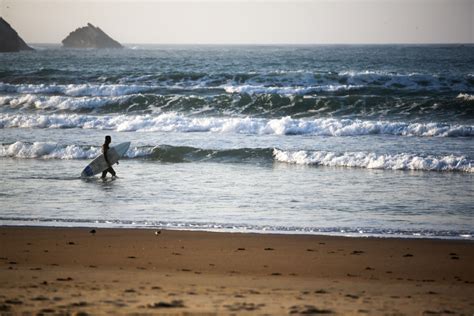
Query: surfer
column 105, row 149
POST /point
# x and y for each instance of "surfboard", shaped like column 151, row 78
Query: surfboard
column 99, row 164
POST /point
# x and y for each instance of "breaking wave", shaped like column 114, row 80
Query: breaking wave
column 51, row 150
column 54, row 103
column 174, row 122
column 75, row 90
column 181, row 154
column 466, row 96
column 272, row 102
column 250, row 82
column 376, row 161
column 292, row 90
column 410, row 81
column 45, row 150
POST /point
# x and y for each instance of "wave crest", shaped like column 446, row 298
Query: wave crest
column 376, row 161
column 50, row 150
column 173, row 122
column 465, row 97
column 75, row 90
column 251, row 81
column 47, row 150
column 57, row 102
column 180, row 154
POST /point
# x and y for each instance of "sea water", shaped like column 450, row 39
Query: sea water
column 343, row 140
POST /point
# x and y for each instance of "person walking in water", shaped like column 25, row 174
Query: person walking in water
column 105, row 149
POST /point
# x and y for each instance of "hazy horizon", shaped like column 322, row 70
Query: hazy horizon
column 261, row 22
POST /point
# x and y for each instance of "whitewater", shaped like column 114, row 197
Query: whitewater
column 343, row 140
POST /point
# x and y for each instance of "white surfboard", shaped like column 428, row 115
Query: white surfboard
column 99, row 164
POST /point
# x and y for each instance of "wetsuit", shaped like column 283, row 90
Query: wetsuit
column 105, row 149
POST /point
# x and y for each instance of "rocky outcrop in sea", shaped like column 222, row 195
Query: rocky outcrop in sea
column 10, row 41
column 89, row 36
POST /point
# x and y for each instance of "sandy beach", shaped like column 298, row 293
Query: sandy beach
column 119, row 271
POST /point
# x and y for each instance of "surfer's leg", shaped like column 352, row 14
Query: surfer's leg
column 112, row 171
column 104, row 174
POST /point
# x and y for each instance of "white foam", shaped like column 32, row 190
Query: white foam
column 173, row 122
column 47, row 150
column 298, row 90
column 50, row 150
column 409, row 81
column 75, row 90
column 136, row 152
column 283, row 82
column 465, row 96
column 57, row 102
column 376, row 161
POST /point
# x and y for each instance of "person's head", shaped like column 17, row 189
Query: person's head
column 108, row 139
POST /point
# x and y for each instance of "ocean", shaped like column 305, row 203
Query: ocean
column 351, row 140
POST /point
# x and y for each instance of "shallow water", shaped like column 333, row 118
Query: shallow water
column 280, row 139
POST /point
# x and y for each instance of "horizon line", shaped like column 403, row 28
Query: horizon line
column 276, row 44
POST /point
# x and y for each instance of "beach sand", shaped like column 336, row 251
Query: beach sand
column 141, row 271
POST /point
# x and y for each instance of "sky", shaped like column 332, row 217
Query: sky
column 247, row 21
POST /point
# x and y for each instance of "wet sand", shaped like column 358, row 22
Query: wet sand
column 122, row 271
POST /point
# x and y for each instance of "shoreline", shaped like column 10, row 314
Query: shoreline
column 150, row 271
column 414, row 236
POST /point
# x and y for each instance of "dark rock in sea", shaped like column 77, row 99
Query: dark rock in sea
column 10, row 41
column 89, row 37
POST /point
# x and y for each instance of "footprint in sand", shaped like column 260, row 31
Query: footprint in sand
column 4, row 308
column 40, row 298
column 172, row 304
column 47, row 311
column 64, row 279
column 308, row 310
column 79, row 304
column 442, row 312
column 236, row 307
